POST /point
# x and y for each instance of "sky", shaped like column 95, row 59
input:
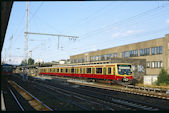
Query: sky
column 98, row 24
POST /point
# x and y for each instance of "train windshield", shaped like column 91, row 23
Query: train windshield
column 124, row 69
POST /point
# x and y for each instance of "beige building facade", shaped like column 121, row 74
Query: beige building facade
column 156, row 53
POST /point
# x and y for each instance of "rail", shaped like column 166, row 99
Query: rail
column 34, row 102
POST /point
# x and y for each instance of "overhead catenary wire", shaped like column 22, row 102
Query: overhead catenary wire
column 124, row 20
column 89, row 17
column 78, row 41
column 33, row 15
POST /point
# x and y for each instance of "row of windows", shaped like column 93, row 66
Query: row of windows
column 81, row 60
column 156, row 50
column 103, row 57
column 143, row 52
column 132, row 53
column 154, row 64
column 81, row 70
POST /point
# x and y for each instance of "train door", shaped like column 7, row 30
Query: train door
column 80, row 73
column 114, row 71
column 104, row 71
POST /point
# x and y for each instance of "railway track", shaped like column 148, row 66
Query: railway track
column 90, row 98
column 92, row 103
column 139, row 90
column 17, row 101
column 130, row 104
column 114, row 99
column 33, row 101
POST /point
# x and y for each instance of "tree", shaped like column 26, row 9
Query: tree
column 163, row 77
column 30, row 61
column 23, row 63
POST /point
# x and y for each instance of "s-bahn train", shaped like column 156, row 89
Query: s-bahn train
column 7, row 69
column 120, row 73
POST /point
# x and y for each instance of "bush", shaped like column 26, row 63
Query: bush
column 163, row 78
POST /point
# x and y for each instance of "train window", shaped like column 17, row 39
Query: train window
column 109, row 70
column 88, row 70
column 61, row 70
column 99, row 70
column 66, row 70
column 72, row 70
column 57, row 70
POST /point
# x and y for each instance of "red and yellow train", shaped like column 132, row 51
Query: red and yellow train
column 120, row 73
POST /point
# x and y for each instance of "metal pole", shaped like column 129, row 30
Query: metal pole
column 10, row 48
column 58, row 42
column 26, row 38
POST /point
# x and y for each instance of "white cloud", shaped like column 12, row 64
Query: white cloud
column 130, row 32
column 16, row 60
column 126, row 33
column 116, row 34
column 167, row 21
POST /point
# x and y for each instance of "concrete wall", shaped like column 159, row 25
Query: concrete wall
column 148, row 80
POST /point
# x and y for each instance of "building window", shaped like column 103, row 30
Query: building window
column 97, row 58
column 114, row 55
column 144, row 52
column 102, row 57
column 132, row 53
column 157, row 64
column 122, row 54
column 156, row 50
column 152, row 64
column 148, row 65
column 108, row 56
column 160, row 50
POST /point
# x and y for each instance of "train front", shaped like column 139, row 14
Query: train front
column 124, row 74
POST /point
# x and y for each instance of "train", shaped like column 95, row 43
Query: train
column 7, row 69
column 119, row 73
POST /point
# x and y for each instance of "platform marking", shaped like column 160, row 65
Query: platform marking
column 3, row 108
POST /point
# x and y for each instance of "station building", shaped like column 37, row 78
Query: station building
column 156, row 53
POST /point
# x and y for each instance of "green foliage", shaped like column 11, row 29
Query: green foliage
column 23, row 63
column 163, row 78
column 30, row 61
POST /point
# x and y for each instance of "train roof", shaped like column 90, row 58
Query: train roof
column 7, row 65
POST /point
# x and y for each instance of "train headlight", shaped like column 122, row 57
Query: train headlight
column 125, row 79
